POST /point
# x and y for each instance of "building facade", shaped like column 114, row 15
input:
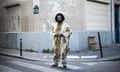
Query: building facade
column 86, row 18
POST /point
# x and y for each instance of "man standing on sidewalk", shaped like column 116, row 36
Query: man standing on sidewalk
column 61, row 35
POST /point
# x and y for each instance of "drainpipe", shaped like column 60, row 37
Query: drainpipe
column 112, row 3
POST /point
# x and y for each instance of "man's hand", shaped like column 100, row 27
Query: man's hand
column 56, row 35
column 59, row 35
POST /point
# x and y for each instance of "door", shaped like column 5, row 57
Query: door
column 97, row 16
column 117, row 24
column 13, row 19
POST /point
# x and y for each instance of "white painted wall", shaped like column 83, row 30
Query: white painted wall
column 74, row 11
column 117, row 1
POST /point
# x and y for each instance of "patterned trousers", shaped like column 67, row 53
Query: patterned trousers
column 60, row 49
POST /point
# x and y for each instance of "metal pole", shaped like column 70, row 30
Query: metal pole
column 112, row 19
column 101, row 51
column 20, row 46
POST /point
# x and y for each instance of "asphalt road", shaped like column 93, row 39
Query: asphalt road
column 9, row 64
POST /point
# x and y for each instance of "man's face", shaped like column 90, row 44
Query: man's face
column 59, row 18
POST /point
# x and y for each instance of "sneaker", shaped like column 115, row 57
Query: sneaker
column 64, row 66
column 55, row 65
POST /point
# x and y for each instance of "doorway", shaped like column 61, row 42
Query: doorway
column 117, row 24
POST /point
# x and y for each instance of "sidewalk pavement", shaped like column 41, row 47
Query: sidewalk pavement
column 110, row 54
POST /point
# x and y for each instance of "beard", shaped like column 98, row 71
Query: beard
column 59, row 21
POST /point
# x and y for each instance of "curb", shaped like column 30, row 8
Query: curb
column 20, row 57
column 114, row 58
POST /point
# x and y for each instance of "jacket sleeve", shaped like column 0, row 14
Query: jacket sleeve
column 68, row 31
column 52, row 31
